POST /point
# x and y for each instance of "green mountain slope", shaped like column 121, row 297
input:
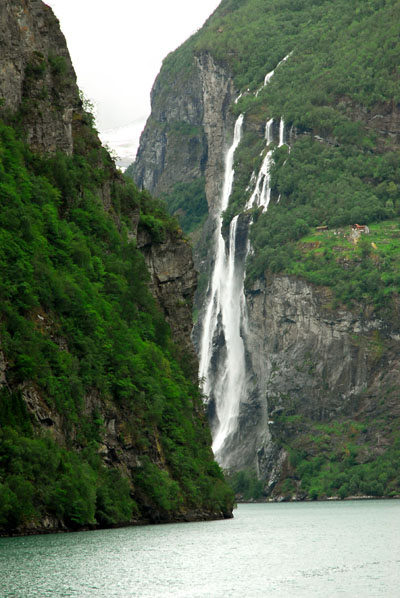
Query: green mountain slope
column 101, row 422
column 81, row 335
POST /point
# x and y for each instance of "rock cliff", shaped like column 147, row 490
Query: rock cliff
column 186, row 139
column 37, row 77
column 315, row 363
column 188, row 131
column 173, row 283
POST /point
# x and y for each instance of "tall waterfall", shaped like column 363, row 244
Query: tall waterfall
column 222, row 350
column 224, row 306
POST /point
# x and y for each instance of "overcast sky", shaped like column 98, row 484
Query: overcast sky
column 117, row 48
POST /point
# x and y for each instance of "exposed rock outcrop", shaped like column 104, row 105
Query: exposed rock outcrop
column 188, row 131
column 36, row 75
column 173, row 283
column 187, row 137
column 310, row 361
column 173, row 135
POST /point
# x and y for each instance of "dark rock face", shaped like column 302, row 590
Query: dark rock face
column 383, row 120
column 187, row 134
column 311, row 361
column 36, row 74
column 164, row 145
column 173, row 283
column 169, row 154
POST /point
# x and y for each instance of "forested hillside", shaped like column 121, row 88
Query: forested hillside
column 101, row 419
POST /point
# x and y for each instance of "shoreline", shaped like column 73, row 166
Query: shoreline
column 284, row 499
column 188, row 517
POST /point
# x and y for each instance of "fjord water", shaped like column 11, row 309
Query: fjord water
column 345, row 549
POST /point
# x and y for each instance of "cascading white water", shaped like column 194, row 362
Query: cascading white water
column 219, row 277
column 269, row 75
column 233, row 381
column 222, row 350
column 262, row 192
column 281, row 132
column 238, row 98
column 268, row 131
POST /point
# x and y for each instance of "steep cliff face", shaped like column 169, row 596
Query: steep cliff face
column 173, row 283
column 37, row 76
column 317, row 364
column 188, row 131
column 173, row 132
column 186, row 139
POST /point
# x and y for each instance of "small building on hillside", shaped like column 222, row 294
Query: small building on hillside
column 361, row 228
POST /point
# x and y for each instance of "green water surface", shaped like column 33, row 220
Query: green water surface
column 302, row 550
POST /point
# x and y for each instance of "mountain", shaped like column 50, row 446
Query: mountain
column 274, row 131
column 101, row 418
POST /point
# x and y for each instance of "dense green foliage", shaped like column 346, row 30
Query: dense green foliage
column 343, row 63
column 360, row 271
column 77, row 320
column 187, row 201
column 246, row 485
column 339, row 459
column 342, row 71
column 252, row 36
column 39, row 478
column 336, row 187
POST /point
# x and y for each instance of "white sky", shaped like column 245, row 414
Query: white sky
column 117, row 48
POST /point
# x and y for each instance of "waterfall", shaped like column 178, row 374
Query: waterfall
column 281, row 132
column 238, row 98
column 262, row 191
column 214, row 300
column 222, row 367
column 269, row 75
column 268, row 131
column 233, row 383
column 224, row 308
